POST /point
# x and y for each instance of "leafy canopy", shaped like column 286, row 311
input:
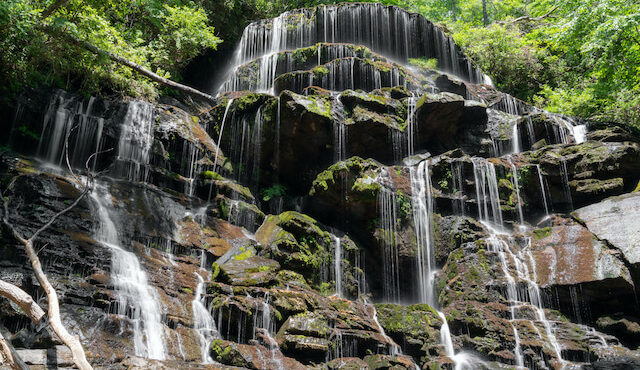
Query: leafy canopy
column 159, row 35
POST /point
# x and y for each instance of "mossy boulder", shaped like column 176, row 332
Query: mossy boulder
column 416, row 326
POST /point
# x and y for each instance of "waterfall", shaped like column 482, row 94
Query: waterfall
column 246, row 145
column 339, row 131
column 516, row 187
column 203, row 322
column 564, row 174
column 395, row 349
column 263, row 323
column 543, row 190
column 422, row 202
column 487, row 196
column 69, row 116
column 388, row 217
column 215, row 160
column 136, row 139
column 386, row 30
column 485, row 176
column 456, row 177
column 337, row 264
column 136, row 298
column 412, row 124
column 516, row 147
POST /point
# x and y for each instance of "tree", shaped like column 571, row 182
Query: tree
column 160, row 37
column 21, row 298
column 485, row 17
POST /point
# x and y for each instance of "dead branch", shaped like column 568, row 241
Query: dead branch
column 528, row 18
column 127, row 63
column 71, row 341
column 9, row 356
column 22, row 299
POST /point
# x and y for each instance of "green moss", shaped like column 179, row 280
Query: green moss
column 320, row 71
column 542, row 233
column 244, row 254
column 215, row 271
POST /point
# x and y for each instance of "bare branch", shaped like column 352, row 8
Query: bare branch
column 22, row 299
column 528, row 18
column 71, row 341
column 8, row 353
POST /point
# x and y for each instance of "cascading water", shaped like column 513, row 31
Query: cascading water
column 203, row 322
column 136, row 298
column 339, row 131
column 486, row 184
column 136, row 138
column 412, row 125
column 388, row 216
column 337, row 264
column 422, row 204
column 386, row 30
column 215, row 161
column 69, row 116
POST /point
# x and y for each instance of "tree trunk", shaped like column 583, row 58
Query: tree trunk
column 453, row 9
column 485, row 17
column 23, row 300
column 126, row 62
column 9, row 355
column 55, row 321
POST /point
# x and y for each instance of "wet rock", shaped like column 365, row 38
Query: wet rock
column 451, row 84
column 415, row 327
column 615, row 220
column 250, row 356
column 626, row 328
column 451, row 232
column 576, row 268
column 249, row 270
column 304, row 246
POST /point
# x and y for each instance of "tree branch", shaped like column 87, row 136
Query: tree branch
column 126, row 62
column 22, row 299
column 71, row 341
column 528, row 18
column 8, row 353
column 53, row 7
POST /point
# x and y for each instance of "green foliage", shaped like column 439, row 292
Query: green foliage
column 273, row 191
column 162, row 36
column 428, row 63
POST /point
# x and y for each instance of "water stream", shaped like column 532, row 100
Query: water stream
column 136, row 298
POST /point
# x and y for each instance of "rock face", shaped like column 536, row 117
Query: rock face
column 337, row 208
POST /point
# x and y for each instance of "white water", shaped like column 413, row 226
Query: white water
column 515, row 138
column 136, row 139
column 388, row 217
column 422, row 204
column 485, row 177
column 136, row 297
column 411, row 124
column 386, row 30
column 337, row 264
column 203, row 322
column 543, row 190
column 516, row 187
column 394, row 349
column 215, row 161
column 339, row 131
column 63, row 115
column 264, row 324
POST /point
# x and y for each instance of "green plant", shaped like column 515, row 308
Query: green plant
column 272, row 192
